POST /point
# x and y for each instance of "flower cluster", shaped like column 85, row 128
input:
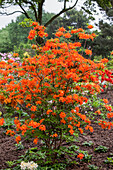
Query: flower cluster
column 37, row 31
column 29, row 165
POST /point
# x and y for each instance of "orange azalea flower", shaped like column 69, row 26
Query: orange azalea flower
column 70, row 119
column 42, row 127
column 32, row 34
column 55, row 135
column 71, row 131
column 35, row 141
column 18, row 138
column 23, row 127
column 2, row 121
column 61, row 99
column 33, row 124
column 49, row 111
column 109, row 115
column 77, row 44
column 87, row 127
column 10, row 61
column 109, row 108
column 16, row 121
column 53, row 113
column 78, row 124
column 88, row 52
column 85, row 36
column 34, row 23
column 38, row 102
column 41, row 120
column 69, row 126
column 80, row 155
column 34, row 46
column 59, row 34
column 62, row 115
column 32, row 116
column 93, row 34
column 112, row 53
column 77, row 109
column 72, row 111
column 81, row 130
column 33, row 108
column 83, row 117
column 77, row 30
column 91, row 129
column 105, row 101
column 33, row 131
column 18, row 126
column 98, row 111
column 104, row 60
column 28, row 105
column 17, row 108
column 61, row 92
column 62, row 29
column 15, row 54
column 67, row 35
column 42, row 33
column 63, row 121
column 90, row 26
column 11, row 132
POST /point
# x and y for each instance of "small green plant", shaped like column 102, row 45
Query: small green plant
column 10, row 163
column 109, row 160
column 101, row 149
column 90, row 143
column 19, row 146
column 92, row 167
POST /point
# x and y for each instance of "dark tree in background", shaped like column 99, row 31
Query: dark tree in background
column 103, row 43
column 17, row 35
column 37, row 6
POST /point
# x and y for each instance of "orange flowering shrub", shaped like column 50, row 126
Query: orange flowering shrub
column 51, row 87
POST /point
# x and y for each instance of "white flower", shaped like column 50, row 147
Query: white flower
column 30, row 165
column 23, row 165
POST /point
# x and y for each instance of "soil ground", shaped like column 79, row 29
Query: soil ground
column 8, row 151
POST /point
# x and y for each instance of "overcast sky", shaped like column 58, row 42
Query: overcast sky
column 50, row 6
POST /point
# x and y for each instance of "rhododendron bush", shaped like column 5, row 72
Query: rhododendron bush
column 51, row 87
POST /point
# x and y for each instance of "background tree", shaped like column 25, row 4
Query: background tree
column 105, row 6
column 18, row 35
column 5, row 43
column 103, row 43
column 37, row 8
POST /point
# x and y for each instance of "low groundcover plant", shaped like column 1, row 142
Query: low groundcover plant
column 51, row 87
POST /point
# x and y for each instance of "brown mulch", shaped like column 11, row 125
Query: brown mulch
column 9, row 152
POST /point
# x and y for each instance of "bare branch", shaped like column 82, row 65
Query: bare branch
column 61, row 12
column 3, row 7
column 64, row 4
column 5, row 13
column 34, row 9
column 24, row 12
